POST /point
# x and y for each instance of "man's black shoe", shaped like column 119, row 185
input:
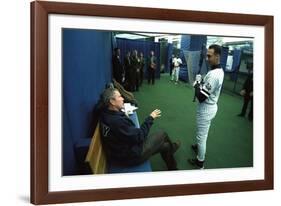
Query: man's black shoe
column 240, row 115
column 176, row 146
column 173, row 168
column 196, row 163
column 194, row 147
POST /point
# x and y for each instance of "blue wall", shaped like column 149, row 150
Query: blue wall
column 86, row 69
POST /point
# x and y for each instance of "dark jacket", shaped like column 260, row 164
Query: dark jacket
column 248, row 84
column 152, row 61
column 122, row 141
column 118, row 70
column 127, row 66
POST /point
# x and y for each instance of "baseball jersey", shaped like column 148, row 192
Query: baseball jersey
column 212, row 84
column 177, row 62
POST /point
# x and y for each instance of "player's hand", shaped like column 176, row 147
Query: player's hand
column 198, row 78
column 156, row 113
column 243, row 92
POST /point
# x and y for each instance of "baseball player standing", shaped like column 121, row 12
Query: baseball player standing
column 207, row 92
column 175, row 72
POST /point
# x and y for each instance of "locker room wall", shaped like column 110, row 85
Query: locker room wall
column 86, row 69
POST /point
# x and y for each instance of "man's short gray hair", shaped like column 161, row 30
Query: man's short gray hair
column 107, row 95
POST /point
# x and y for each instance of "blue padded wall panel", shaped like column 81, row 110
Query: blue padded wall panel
column 185, row 42
column 193, row 42
column 182, row 57
column 86, row 69
column 197, row 41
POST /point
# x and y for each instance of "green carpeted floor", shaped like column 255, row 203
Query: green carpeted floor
column 230, row 141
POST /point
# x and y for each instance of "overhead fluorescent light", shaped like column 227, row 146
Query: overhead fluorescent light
column 130, row 36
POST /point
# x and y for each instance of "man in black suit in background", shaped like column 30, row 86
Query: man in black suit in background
column 117, row 67
column 247, row 93
column 151, row 67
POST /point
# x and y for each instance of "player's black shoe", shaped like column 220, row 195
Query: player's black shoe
column 195, row 162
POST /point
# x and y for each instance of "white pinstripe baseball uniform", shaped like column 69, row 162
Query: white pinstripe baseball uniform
column 175, row 73
column 207, row 110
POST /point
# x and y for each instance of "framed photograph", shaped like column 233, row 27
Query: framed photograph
column 71, row 63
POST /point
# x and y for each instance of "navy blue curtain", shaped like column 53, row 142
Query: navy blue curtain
column 236, row 63
column 86, row 69
column 224, row 54
column 143, row 46
column 193, row 42
column 182, row 57
column 236, row 59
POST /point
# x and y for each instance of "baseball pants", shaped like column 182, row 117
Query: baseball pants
column 175, row 74
column 205, row 114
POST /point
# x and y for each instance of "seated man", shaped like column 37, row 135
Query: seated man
column 124, row 143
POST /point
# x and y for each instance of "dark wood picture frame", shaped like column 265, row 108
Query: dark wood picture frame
column 39, row 102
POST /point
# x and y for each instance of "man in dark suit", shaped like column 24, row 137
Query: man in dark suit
column 117, row 67
column 151, row 67
column 124, row 143
column 247, row 93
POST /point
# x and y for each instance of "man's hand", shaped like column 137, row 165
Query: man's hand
column 156, row 113
column 198, row 79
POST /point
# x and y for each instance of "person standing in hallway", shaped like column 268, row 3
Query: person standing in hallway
column 152, row 65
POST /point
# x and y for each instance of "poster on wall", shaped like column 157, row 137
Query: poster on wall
column 154, row 69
